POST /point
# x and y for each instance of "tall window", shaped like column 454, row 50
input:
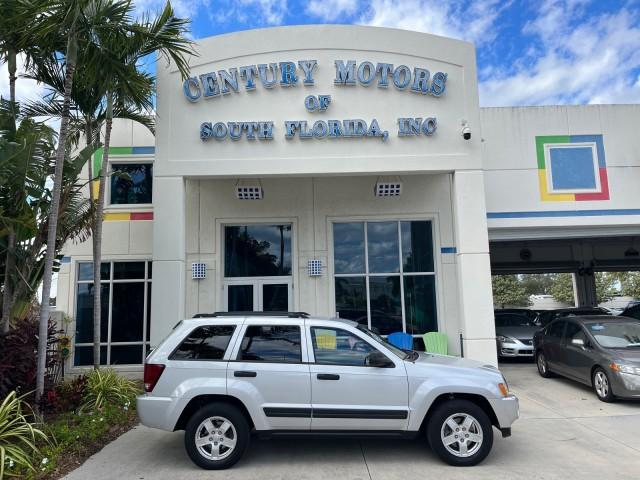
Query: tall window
column 385, row 276
column 124, row 320
column 131, row 183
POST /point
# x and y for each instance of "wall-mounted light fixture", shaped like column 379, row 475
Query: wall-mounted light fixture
column 249, row 190
column 198, row 271
column 388, row 187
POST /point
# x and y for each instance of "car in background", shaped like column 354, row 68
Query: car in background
column 601, row 351
column 547, row 316
column 532, row 314
column 632, row 311
column 514, row 334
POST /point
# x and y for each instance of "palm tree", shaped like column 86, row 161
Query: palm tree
column 79, row 22
column 126, row 87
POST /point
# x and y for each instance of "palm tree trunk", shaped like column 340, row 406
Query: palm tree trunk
column 12, row 65
column 45, row 308
column 7, row 295
column 97, row 234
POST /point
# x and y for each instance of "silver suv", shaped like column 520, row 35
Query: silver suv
column 221, row 377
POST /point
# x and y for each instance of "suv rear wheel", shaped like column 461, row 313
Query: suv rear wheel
column 216, row 436
column 460, row 433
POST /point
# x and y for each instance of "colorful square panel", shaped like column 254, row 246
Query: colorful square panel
column 572, row 168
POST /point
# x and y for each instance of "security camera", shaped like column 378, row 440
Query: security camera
column 466, row 131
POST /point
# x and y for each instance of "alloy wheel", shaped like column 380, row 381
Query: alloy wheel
column 461, row 435
column 215, row 438
column 601, row 383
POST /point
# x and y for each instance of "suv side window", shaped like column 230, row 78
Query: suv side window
column 555, row 329
column 204, row 343
column 271, row 343
column 333, row 346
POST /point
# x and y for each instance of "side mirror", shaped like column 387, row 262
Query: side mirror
column 578, row 342
column 379, row 360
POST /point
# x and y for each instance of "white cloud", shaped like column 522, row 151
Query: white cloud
column 25, row 89
column 581, row 60
column 450, row 18
column 331, row 10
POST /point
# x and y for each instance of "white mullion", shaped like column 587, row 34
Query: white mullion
column 111, row 268
column 366, row 273
column 404, row 318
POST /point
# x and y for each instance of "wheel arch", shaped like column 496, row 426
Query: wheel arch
column 477, row 399
column 202, row 400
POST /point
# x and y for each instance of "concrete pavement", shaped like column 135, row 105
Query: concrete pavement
column 564, row 432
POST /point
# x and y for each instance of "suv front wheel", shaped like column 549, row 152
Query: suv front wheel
column 460, row 433
column 216, row 436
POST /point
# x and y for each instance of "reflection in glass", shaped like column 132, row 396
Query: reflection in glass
column 348, row 247
column 382, row 247
column 204, row 343
column 85, row 271
column 240, row 298
column 84, row 313
column 128, row 270
column 257, row 250
column 127, row 315
column 338, row 347
column 420, row 303
column 275, row 297
column 126, row 354
column 417, row 246
column 83, row 356
column 131, row 183
column 271, row 344
column 351, row 299
column 386, row 309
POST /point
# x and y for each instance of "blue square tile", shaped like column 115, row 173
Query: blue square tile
column 572, row 168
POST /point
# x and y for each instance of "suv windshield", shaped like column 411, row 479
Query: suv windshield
column 399, row 352
column 615, row 334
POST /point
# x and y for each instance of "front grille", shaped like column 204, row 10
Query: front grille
column 526, row 341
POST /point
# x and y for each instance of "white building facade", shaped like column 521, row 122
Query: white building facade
column 324, row 169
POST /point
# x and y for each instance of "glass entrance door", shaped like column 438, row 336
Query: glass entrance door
column 258, row 295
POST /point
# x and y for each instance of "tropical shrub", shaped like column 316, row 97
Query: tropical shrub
column 105, row 386
column 65, row 396
column 17, row 434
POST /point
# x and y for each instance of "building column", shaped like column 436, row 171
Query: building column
column 475, row 297
column 169, row 247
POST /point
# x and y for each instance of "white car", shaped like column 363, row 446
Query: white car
column 221, row 377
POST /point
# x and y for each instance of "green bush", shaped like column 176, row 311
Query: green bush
column 104, row 387
column 17, row 434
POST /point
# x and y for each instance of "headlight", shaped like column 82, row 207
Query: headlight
column 502, row 338
column 616, row 367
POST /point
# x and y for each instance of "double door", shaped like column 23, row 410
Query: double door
column 258, row 295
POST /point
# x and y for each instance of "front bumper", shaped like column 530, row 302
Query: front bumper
column 625, row 385
column 513, row 350
column 507, row 410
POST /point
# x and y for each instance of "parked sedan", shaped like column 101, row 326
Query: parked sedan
column 632, row 311
column 547, row 316
column 600, row 351
column 514, row 334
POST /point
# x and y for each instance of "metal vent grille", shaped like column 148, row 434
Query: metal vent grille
column 388, row 189
column 314, row 268
column 198, row 271
column 249, row 192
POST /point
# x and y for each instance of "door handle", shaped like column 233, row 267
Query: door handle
column 244, row 373
column 328, row 376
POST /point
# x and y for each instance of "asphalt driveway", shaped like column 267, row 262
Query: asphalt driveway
column 564, row 432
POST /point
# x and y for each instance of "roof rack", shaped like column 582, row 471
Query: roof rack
column 253, row 314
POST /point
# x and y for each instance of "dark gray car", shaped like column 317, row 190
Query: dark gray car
column 600, row 351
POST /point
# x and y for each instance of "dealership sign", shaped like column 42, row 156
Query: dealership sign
column 289, row 74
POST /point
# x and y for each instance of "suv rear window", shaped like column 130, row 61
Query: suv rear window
column 204, row 343
column 271, row 343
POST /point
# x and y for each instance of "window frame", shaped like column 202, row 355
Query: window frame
column 237, row 350
column 401, row 273
column 144, row 343
column 121, row 160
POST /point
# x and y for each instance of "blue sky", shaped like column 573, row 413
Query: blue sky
column 529, row 52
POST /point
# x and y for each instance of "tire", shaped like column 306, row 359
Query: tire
column 224, row 444
column 542, row 365
column 471, row 420
column 602, row 385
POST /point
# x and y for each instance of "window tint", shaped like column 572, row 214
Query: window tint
column 332, row 346
column 555, row 329
column 574, row 331
column 204, row 343
column 271, row 343
column 131, row 183
column 257, row 251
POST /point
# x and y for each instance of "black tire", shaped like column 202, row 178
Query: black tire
column 239, row 432
column 436, row 426
column 542, row 365
column 603, row 390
